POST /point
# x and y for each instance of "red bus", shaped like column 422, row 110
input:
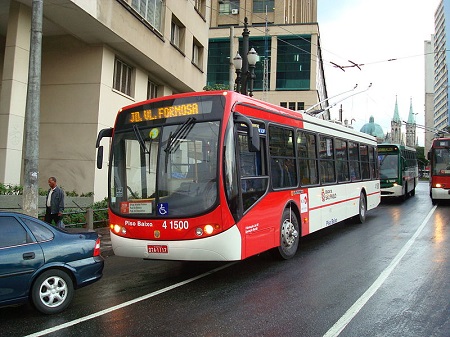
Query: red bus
column 218, row 176
column 439, row 157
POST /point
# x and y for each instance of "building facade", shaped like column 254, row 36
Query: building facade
column 285, row 34
column 441, row 114
column 429, row 92
column 97, row 56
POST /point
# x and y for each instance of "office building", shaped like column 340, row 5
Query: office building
column 285, row 34
column 97, row 56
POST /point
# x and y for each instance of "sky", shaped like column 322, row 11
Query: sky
column 371, row 33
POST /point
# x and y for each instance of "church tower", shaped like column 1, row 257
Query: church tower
column 396, row 126
column 411, row 127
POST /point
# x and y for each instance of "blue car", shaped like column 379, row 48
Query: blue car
column 43, row 264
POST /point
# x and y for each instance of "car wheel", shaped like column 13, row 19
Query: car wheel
column 52, row 291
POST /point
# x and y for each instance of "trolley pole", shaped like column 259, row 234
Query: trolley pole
column 32, row 114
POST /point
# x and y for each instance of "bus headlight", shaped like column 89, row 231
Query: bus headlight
column 207, row 229
column 118, row 229
column 438, row 185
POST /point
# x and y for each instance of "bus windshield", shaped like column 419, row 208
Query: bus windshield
column 166, row 170
column 388, row 166
column 441, row 161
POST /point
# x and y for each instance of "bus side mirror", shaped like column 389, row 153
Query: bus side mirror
column 103, row 133
column 254, row 143
column 429, row 155
column 253, row 132
column 100, row 157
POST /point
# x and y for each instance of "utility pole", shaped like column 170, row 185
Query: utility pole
column 32, row 113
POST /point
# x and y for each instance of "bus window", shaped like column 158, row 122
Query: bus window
column 282, row 164
column 307, row 158
column 355, row 173
column 254, row 178
column 326, row 153
column 364, row 153
column 342, row 160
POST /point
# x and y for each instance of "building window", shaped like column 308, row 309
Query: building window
column 262, row 46
column 293, row 105
column 197, row 54
column 218, row 56
column 260, row 6
column 122, row 77
column 177, row 34
column 200, row 6
column 227, row 7
column 150, row 10
column 293, row 63
column 152, row 90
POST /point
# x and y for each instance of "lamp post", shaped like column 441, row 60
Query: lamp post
column 245, row 67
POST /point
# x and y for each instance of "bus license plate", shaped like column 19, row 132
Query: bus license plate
column 159, row 249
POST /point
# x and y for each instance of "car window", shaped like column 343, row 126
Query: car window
column 40, row 232
column 12, row 232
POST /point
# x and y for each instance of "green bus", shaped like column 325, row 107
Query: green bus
column 399, row 171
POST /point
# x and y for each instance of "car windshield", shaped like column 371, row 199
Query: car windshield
column 165, row 170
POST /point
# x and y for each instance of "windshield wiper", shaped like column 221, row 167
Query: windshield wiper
column 174, row 140
column 180, row 133
column 142, row 143
column 140, row 139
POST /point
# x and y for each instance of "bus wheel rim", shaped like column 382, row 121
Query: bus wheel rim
column 288, row 233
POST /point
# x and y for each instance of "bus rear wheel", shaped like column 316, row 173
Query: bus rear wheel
column 361, row 217
column 289, row 235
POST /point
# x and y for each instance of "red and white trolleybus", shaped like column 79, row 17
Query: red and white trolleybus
column 439, row 156
column 221, row 176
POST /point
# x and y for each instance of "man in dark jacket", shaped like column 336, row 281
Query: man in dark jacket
column 54, row 202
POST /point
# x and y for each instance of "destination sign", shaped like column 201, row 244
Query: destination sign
column 165, row 112
column 387, row 149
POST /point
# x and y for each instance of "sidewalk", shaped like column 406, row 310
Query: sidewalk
column 105, row 241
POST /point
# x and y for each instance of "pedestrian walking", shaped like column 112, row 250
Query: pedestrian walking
column 54, row 203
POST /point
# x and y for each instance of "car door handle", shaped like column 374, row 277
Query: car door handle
column 28, row 256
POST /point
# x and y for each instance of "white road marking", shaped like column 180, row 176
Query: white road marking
column 125, row 304
column 340, row 325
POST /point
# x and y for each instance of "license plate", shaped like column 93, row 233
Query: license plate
column 158, row 249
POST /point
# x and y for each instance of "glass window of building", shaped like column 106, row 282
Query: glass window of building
column 150, row 10
column 260, row 6
column 218, row 56
column 122, row 77
column 293, row 63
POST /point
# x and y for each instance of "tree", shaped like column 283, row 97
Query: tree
column 217, row 86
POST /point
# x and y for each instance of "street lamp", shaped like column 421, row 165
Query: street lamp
column 245, row 68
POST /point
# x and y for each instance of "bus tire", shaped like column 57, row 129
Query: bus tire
column 362, row 208
column 289, row 235
column 405, row 195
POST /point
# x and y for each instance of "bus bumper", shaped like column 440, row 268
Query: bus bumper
column 225, row 246
column 394, row 191
column 440, row 193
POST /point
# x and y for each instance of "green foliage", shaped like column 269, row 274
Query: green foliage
column 10, row 189
column 217, row 86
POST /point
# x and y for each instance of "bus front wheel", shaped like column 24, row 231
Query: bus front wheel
column 289, row 235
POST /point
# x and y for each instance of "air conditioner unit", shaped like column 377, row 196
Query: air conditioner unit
column 235, row 11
